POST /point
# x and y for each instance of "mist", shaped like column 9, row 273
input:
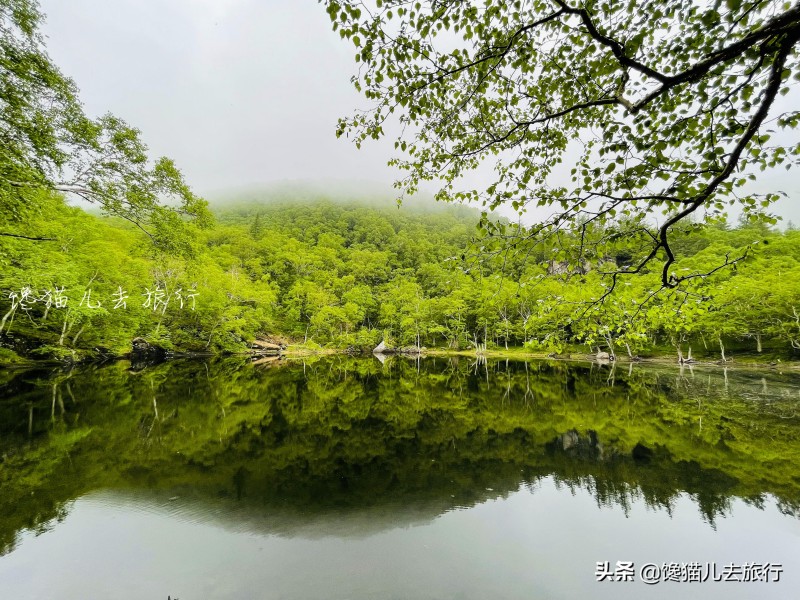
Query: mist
column 245, row 94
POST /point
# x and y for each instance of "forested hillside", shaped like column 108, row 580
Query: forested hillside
column 349, row 274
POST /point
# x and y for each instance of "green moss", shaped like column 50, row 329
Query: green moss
column 9, row 357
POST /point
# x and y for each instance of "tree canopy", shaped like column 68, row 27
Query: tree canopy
column 626, row 116
column 49, row 144
column 348, row 274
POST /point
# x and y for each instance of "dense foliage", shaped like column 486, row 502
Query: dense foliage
column 347, row 274
column 653, row 109
column 351, row 274
column 48, row 143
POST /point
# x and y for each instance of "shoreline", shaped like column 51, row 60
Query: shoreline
column 766, row 363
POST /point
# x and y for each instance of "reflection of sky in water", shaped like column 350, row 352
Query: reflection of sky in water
column 527, row 545
column 347, row 478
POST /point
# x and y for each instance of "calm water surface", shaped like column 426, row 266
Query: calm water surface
column 433, row 479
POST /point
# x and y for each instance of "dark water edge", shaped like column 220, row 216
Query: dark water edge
column 341, row 448
column 772, row 359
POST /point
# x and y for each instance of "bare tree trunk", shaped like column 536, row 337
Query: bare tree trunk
column 10, row 313
column 612, row 374
column 612, row 354
column 722, row 350
column 63, row 331
column 77, row 335
column 758, row 342
column 211, row 333
column 71, row 395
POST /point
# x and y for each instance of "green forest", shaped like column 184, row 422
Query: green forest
column 413, row 308
column 636, row 258
column 318, row 272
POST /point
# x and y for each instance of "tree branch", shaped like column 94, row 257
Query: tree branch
column 27, row 237
column 770, row 92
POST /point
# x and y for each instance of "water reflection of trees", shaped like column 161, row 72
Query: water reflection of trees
column 355, row 434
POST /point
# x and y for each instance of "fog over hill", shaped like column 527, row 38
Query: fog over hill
column 360, row 193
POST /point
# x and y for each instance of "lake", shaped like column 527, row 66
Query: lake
column 439, row 478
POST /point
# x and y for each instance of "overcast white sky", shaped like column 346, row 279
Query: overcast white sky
column 238, row 92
